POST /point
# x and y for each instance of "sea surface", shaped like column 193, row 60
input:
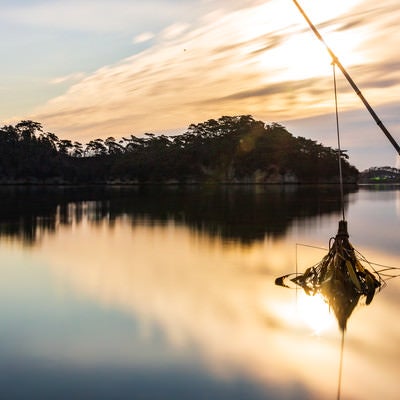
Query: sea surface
column 168, row 293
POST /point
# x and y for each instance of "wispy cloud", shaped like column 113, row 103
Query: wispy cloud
column 67, row 78
column 175, row 30
column 143, row 37
column 94, row 15
column 107, row 16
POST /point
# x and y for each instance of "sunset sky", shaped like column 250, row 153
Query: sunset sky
column 98, row 68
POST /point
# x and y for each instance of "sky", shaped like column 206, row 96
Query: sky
column 97, row 68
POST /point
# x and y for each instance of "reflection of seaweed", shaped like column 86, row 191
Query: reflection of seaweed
column 342, row 277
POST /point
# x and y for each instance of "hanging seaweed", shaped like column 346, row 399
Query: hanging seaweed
column 341, row 277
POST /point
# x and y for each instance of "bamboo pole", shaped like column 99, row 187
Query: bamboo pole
column 336, row 61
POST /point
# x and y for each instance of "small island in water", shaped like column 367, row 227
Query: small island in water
column 231, row 149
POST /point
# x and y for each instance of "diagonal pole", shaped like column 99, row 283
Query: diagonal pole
column 336, row 61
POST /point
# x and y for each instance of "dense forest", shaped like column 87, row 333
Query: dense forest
column 232, row 149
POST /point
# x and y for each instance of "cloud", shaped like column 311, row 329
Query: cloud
column 67, row 78
column 314, row 86
column 160, row 87
column 175, row 30
column 143, row 37
column 95, row 15
column 110, row 16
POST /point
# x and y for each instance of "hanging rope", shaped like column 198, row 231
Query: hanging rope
column 338, row 141
column 339, row 386
column 339, row 151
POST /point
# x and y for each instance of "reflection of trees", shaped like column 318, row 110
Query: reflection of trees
column 243, row 213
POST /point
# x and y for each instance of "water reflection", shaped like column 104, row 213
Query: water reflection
column 244, row 213
column 115, row 299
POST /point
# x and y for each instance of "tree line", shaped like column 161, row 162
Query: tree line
column 380, row 175
column 228, row 149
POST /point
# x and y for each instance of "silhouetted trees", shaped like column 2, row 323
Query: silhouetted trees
column 229, row 149
column 380, row 175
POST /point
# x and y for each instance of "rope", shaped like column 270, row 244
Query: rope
column 338, row 141
column 339, row 389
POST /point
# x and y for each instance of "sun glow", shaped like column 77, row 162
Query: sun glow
column 314, row 312
column 309, row 311
column 301, row 55
column 304, row 56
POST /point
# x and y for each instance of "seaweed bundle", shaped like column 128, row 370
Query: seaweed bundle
column 341, row 277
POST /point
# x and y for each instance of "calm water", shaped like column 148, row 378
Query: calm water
column 169, row 294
